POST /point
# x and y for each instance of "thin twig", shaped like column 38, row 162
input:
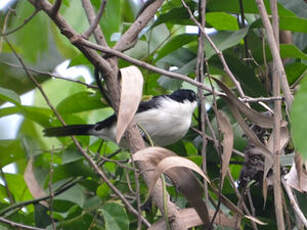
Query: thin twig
column 51, row 192
column 22, row 25
column 52, row 75
column 8, row 192
column 17, row 225
column 243, row 26
column 146, row 65
column 218, row 52
column 59, row 191
column 240, row 198
column 93, row 26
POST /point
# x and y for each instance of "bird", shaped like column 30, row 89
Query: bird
column 165, row 118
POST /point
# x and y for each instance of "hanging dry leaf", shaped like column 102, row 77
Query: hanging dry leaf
column 131, row 94
column 174, row 162
column 226, row 129
column 284, row 139
column 178, row 170
column 253, row 115
column 190, row 219
column 293, row 181
column 255, row 220
column 33, row 186
column 268, row 163
column 250, row 134
column 152, row 154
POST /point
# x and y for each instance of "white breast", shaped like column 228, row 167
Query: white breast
column 169, row 123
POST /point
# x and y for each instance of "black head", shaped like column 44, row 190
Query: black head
column 183, row 94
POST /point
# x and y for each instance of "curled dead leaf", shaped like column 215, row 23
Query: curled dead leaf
column 226, row 128
column 131, row 94
column 33, row 186
column 178, row 169
column 253, row 115
column 257, row 221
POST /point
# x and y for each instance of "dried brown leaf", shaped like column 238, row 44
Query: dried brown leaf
column 33, row 186
column 249, row 133
column 226, row 129
column 153, row 154
column 255, row 220
column 190, row 219
column 268, row 163
column 131, row 94
column 174, row 162
column 178, row 169
column 253, row 115
column 292, row 179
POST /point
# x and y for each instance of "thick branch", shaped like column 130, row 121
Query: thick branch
column 276, row 127
column 275, row 53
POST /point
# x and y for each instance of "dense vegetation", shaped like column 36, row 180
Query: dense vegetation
column 247, row 133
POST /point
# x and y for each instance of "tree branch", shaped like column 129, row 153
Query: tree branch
column 17, row 225
column 276, row 126
column 129, row 37
column 218, row 52
column 94, row 24
column 275, row 53
column 94, row 21
column 22, row 25
column 56, row 7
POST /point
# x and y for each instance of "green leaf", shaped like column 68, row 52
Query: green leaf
column 295, row 24
column 110, row 22
column 157, row 36
column 9, row 95
column 292, row 23
column 103, row 191
column 74, row 194
column 42, row 219
column 10, row 151
column 81, row 101
column 249, row 7
column 39, row 115
column 175, row 43
column 294, row 71
column 222, row 21
column 245, row 74
column 18, row 187
column 36, row 29
column 177, row 15
column 115, row 216
column 286, row 51
column 224, row 40
column 291, row 51
column 299, row 119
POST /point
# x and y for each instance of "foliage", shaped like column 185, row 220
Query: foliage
column 81, row 200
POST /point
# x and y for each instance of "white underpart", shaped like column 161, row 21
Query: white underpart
column 165, row 125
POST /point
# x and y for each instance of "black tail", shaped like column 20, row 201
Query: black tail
column 69, row 130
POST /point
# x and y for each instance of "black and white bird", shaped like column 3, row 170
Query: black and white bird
column 166, row 118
